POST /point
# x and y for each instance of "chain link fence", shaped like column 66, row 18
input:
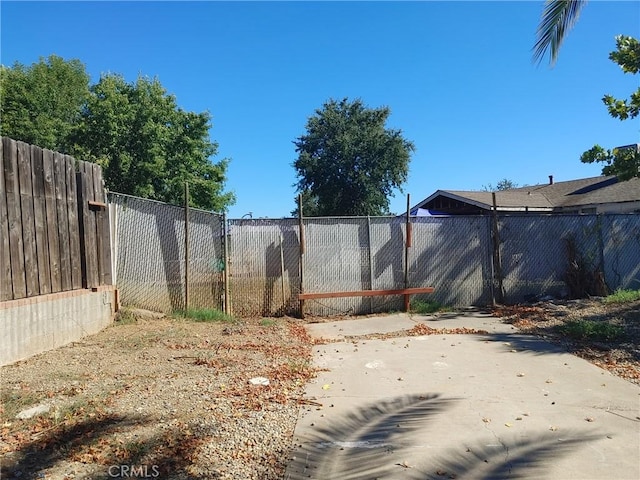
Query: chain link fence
column 452, row 254
column 150, row 255
column 537, row 253
column 264, row 267
column 621, row 250
column 266, row 271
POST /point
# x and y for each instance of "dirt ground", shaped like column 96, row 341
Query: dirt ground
column 607, row 335
column 155, row 397
column 160, row 398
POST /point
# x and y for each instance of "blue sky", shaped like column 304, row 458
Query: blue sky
column 457, row 77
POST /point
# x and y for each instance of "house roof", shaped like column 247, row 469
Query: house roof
column 550, row 196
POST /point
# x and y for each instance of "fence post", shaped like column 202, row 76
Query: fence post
column 284, row 298
column 186, row 247
column 225, row 242
column 496, row 297
column 301, row 230
column 407, row 244
column 370, row 262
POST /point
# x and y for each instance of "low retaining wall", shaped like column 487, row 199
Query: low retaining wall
column 34, row 325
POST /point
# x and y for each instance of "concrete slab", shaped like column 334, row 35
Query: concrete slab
column 493, row 406
column 391, row 323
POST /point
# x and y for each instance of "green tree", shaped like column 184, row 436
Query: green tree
column 504, row 184
column 558, row 18
column 148, row 146
column 310, row 206
column 348, row 162
column 621, row 161
column 627, row 55
column 41, row 104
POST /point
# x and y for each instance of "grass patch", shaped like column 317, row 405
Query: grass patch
column 13, row 402
column 267, row 322
column 204, row 315
column 591, row 330
column 125, row 317
column 424, row 307
column 623, row 296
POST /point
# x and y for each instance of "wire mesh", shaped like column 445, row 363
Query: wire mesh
column 453, row 254
column 264, row 267
column 621, row 251
column 535, row 256
column 151, row 255
column 337, row 258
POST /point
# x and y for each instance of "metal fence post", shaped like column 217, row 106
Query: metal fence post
column 225, row 272
column 497, row 264
column 186, row 247
column 301, row 231
column 407, row 244
column 370, row 262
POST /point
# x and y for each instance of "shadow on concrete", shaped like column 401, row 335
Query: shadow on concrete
column 355, row 446
column 530, row 457
column 367, row 443
column 522, row 342
column 475, row 312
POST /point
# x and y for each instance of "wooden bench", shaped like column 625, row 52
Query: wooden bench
column 407, row 292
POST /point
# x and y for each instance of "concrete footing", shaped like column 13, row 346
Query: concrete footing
column 34, row 325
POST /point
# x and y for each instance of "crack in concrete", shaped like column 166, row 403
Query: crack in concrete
column 504, row 446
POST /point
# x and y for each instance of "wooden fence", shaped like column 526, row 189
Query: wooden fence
column 54, row 226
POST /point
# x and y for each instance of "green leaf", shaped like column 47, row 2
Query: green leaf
column 348, row 162
column 558, row 18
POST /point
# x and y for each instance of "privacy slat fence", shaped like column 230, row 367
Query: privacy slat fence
column 54, row 234
column 265, row 271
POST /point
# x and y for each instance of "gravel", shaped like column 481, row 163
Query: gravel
column 168, row 398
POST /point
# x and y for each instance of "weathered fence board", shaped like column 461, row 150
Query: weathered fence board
column 60, row 180
column 74, row 228
column 53, row 240
column 102, row 226
column 28, row 226
column 40, row 221
column 43, row 224
column 14, row 219
column 88, row 230
column 6, row 287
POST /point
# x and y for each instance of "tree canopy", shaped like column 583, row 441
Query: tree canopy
column 348, row 162
column 504, row 184
column 622, row 161
column 147, row 145
column 41, row 104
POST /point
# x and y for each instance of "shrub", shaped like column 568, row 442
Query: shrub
column 592, row 330
column 623, row 296
column 204, row 315
column 426, row 307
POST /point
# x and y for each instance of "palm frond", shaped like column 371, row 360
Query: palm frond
column 558, row 18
